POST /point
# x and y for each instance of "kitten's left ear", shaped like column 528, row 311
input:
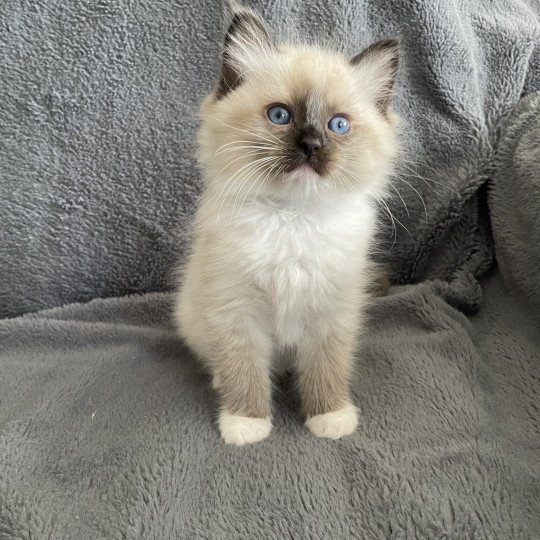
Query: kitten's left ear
column 377, row 66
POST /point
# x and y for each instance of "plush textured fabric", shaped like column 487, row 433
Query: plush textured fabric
column 514, row 197
column 106, row 423
column 98, row 103
column 107, row 431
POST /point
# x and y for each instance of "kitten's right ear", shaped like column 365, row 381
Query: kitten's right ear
column 246, row 41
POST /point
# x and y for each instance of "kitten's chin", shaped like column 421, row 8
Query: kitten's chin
column 303, row 172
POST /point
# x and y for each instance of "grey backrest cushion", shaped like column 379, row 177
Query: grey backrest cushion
column 98, row 108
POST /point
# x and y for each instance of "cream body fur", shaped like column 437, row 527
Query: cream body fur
column 280, row 258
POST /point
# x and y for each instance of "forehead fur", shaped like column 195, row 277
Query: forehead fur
column 291, row 73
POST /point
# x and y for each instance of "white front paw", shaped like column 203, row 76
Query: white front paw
column 242, row 430
column 335, row 424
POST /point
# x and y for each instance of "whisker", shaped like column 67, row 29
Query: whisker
column 260, row 129
column 413, row 173
column 344, row 178
column 399, row 222
column 229, row 180
column 268, row 172
column 256, row 164
column 242, row 142
column 223, row 169
column 262, row 168
column 247, row 147
column 381, row 201
column 402, row 200
column 387, row 209
column 251, row 133
column 415, row 190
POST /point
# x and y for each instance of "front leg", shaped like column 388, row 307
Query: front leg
column 324, row 364
column 241, row 353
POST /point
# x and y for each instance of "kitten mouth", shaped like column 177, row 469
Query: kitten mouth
column 304, row 169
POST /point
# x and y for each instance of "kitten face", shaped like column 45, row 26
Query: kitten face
column 297, row 121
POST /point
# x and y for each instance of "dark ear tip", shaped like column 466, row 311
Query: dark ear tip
column 236, row 21
column 245, row 20
column 386, row 44
column 239, row 13
column 246, row 28
column 391, row 45
column 392, row 42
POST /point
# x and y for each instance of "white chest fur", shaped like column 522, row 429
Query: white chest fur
column 304, row 259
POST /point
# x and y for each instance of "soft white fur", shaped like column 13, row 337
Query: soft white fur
column 303, row 260
column 242, row 430
column 335, row 424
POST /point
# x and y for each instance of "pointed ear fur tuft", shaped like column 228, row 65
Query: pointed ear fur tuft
column 246, row 39
column 378, row 66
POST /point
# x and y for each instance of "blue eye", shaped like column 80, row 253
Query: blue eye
column 279, row 115
column 339, row 124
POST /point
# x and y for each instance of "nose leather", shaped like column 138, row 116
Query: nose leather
column 310, row 145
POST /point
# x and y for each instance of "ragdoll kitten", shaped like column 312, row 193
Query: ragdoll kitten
column 295, row 146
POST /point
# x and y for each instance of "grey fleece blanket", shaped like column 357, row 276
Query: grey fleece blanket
column 106, row 422
column 107, row 431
